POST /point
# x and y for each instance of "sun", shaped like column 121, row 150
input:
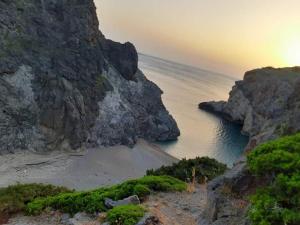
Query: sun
column 292, row 52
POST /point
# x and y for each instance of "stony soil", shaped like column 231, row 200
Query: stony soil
column 178, row 208
column 171, row 209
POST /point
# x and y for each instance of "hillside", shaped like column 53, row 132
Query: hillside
column 63, row 85
column 266, row 102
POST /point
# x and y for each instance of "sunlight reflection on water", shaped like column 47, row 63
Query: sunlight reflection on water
column 202, row 134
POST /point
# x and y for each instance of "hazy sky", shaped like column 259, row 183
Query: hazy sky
column 229, row 36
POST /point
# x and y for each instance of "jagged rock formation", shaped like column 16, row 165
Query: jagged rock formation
column 63, row 85
column 267, row 103
column 227, row 194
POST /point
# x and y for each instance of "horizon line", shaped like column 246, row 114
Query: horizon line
column 184, row 64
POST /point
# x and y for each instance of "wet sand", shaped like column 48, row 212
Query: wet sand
column 83, row 170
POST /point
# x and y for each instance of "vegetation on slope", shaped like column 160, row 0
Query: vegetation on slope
column 278, row 161
column 14, row 198
column 125, row 215
column 204, row 167
column 93, row 201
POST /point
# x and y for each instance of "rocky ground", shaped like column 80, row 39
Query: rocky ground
column 54, row 218
column 168, row 209
column 51, row 219
column 178, row 208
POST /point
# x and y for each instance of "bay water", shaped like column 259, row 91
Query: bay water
column 202, row 133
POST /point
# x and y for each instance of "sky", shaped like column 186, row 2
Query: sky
column 226, row 36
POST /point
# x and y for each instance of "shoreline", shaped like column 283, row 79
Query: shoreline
column 84, row 170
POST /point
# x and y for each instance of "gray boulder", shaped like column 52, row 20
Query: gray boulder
column 131, row 200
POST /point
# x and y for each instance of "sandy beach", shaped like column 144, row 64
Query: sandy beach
column 83, row 170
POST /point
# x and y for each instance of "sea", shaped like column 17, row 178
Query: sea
column 202, row 133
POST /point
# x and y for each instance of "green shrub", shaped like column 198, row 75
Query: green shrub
column 125, row 215
column 205, row 167
column 141, row 190
column 279, row 202
column 93, row 201
column 14, row 198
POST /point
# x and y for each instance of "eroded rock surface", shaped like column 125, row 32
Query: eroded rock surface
column 266, row 102
column 179, row 208
column 227, row 194
column 63, row 85
column 131, row 200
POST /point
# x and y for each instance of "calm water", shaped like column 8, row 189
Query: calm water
column 202, row 134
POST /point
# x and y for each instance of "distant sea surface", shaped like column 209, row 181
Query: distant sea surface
column 202, row 134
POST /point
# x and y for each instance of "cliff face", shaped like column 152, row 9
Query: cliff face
column 63, row 85
column 267, row 103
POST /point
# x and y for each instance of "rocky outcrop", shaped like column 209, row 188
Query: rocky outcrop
column 63, row 85
column 227, row 194
column 131, row 200
column 123, row 57
column 266, row 102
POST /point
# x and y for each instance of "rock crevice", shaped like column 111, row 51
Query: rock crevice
column 72, row 69
column 267, row 104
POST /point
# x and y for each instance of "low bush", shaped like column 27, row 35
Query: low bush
column 279, row 202
column 204, row 167
column 125, row 215
column 14, row 198
column 93, row 201
column 141, row 190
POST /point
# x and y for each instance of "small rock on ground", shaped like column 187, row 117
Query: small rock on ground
column 132, row 200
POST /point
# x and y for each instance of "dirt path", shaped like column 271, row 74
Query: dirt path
column 178, row 208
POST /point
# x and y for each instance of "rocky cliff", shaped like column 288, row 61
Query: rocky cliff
column 267, row 103
column 63, row 85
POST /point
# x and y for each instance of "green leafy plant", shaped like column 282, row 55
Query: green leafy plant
column 279, row 202
column 141, row 190
column 14, row 198
column 204, row 167
column 93, row 201
column 125, row 215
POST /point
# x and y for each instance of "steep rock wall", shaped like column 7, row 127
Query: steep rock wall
column 267, row 103
column 57, row 80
